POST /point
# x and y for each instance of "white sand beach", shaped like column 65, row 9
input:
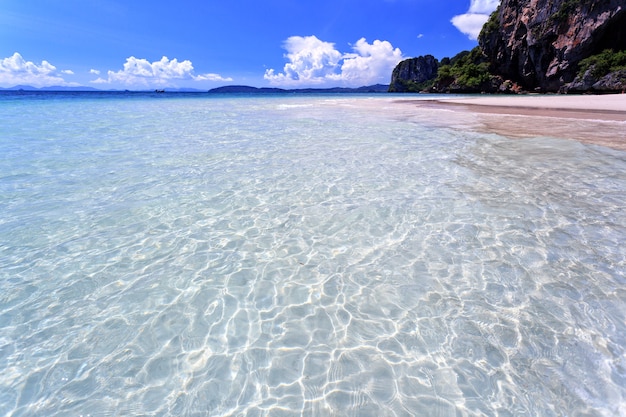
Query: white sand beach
column 610, row 105
column 598, row 119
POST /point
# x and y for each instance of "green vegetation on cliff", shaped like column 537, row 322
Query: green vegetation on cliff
column 466, row 70
column 603, row 63
column 569, row 7
column 493, row 23
column 410, row 86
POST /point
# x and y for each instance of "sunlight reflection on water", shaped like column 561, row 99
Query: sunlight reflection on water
column 303, row 256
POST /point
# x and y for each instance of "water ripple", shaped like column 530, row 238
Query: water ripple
column 274, row 257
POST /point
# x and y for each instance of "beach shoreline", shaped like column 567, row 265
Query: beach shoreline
column 596, row 119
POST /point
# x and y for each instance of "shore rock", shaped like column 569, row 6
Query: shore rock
column 614, row 82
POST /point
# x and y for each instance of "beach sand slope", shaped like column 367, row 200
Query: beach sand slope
column 597, row 119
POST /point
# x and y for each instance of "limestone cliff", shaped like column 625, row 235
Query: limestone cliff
column 413, row 75
column 533, row 45
column 540, row 43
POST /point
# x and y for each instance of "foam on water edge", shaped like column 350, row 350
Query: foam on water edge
column 289, row 256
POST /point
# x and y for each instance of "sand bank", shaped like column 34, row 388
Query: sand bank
column 598, row 119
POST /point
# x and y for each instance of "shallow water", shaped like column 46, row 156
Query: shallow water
column 283, row 256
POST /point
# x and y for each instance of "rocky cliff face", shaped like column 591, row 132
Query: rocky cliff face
column 411, row 75
column 539, row 43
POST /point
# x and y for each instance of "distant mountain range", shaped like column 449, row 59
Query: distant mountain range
column 244, row 89
column 51, row 88
column 236, row 89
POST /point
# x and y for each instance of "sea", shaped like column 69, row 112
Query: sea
column 303, row 255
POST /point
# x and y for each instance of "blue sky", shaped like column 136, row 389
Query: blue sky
column 139, row 44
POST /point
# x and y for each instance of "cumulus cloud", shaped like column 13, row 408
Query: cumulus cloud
column 313, row 62
column 472, row 22
column 94, row 71
column 483, row 6
column 68, row 72
column 211, row 77
column 370, row 62
column 138, row 72
column 15, row 70
column 310, row 60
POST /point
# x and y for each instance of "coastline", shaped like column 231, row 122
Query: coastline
column 595, row 119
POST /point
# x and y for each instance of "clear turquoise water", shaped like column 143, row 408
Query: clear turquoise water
column 192, row 255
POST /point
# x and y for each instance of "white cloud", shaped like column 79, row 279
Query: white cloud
column 94, row 71
column 99, row 80
column 313, row 62
column 310, row 60
column 483, row 6
column 14, row 70
column 472, row 22
column 211, row 77
column 68, row 72
column 369, row 63
column 138, row 72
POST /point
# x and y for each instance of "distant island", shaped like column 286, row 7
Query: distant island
column 244, row 89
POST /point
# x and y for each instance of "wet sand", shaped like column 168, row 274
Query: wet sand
column 597, row 119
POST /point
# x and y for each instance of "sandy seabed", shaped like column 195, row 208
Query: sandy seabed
column 597, row 119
